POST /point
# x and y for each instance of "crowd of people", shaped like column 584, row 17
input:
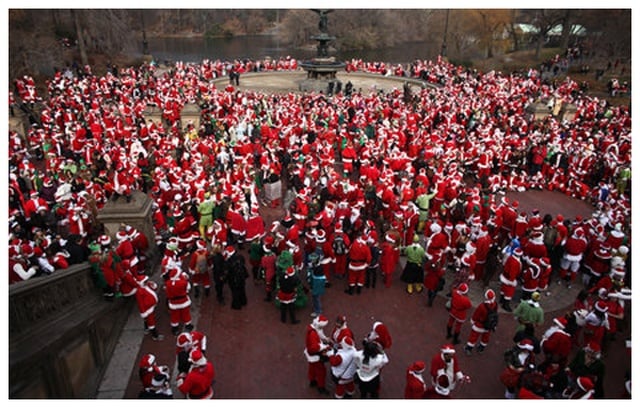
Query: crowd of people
column 384, row 174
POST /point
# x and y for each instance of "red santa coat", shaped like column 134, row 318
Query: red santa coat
column 460, row 304
column 177, row 292
column 451, row 370
column 480, row 314
column 359, row 255
column 509, row 277
column 574, row 248
column 415, row 386
column 147, row 299
column 340, row 332
column 255, row 227
column 314, row 346
column 125, row 249
column 197, row 383
column 558, row 345
column 531, row 277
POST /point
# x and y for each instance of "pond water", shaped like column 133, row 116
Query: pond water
column 259, row 47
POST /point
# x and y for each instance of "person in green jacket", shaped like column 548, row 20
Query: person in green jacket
column 529, row 312
column 413, row 273
column 423, row 201
column 205, row 209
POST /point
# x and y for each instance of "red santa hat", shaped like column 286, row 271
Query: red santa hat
column 26, row 250
column 197, row 358
column 104, row 240
column 463, row 288
column 200, row 244
column 526, row 344
column 290, row 271
column 517, row 252
column 448, row 349
column 560, row 322
column 321, row 236
column 601, row 306
column 121, row 235
column 37, row 251
column 515, row 204
column 228, row 251
column 320, row 321
column 347, row 342
column 184, row 339
column 490, row 295
column 384, row 338
column 147, row 362
column 585, row 383
column 417, row 367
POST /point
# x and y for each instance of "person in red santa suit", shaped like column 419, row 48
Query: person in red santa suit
column 480, row 324
column 200, row 265
column 124, row 249
column 19, row 267
column 107, row 264
column 177, row 289
column 340, row 243
column 349, row 155
column 556, row 344
column 460, row 304
column 186, row 342
column 300, row 208
column 509, row 215
column 148, row 368
column 255, row 224
column 343, row 368
column 237, row 226
column 317, row 350
column 147, row 300
column 483, row 245
column 33, row 204
column 511, row 270
column 123, row 182
column 446, row 363
column 415, row 386
column 530, row 277
column 379, row 334
column 389, row 256
column 340, row 331
column 198, row 383
column 268, row 264
column 359, row 260
column 574, row 250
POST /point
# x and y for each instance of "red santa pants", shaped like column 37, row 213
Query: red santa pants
column 341, row 389
column 341, row 265
column 318, row 373
column 356, row 277
column 180, row 315
column 475, row 335
column 455, row 323
column 151, row 321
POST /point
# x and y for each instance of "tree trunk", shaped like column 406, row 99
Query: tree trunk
column 81, row 46
column 566, row 30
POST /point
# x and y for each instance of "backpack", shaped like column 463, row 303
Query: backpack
column 339, row 247
column 491, row 321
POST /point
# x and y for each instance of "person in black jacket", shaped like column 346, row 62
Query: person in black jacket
column 236, row 272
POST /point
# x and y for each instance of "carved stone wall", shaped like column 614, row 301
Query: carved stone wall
column 62, row 333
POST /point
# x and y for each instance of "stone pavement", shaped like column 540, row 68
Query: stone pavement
column 258, row 357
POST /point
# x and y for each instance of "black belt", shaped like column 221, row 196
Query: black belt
column 178, row 297
column 206, row 214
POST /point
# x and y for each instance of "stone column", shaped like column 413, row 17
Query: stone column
column 137, row 213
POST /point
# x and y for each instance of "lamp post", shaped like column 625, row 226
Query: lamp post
column 443, row 50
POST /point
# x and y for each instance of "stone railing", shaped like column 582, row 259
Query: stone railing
column 62, row 333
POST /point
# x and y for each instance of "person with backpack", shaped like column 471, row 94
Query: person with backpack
column 483, row 321
column 340, row 244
